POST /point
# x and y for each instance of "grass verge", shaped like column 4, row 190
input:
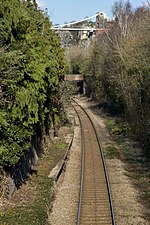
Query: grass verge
column 129, row 151
column 112, row 152
column 29, row 205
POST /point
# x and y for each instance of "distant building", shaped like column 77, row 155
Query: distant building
column 84, row 34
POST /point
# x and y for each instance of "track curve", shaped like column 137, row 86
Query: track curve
column 95, row 203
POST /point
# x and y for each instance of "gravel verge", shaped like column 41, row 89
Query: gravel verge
column 66, row 191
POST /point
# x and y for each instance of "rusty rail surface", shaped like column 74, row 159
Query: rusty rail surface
column 95, row 202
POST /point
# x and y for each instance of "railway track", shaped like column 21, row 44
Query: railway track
column 95, row 203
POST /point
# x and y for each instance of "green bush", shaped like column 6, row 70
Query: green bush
column 32, row 65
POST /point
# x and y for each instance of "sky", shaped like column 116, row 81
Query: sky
column 65, row 11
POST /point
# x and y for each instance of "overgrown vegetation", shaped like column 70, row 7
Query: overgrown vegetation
column 32, row 65
column 112, row 152
column 117, row 69
column 128, row 150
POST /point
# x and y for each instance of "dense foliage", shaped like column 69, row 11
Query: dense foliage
column 31, row 68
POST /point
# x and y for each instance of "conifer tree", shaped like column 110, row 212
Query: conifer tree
column 31, row 68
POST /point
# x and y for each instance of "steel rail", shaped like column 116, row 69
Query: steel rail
column 105, row 170
column 82, row 169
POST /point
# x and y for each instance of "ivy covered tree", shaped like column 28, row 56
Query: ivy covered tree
column 32, row 65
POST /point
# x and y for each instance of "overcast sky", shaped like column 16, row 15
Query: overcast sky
column 61, row 11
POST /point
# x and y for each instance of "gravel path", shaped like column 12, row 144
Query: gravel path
column 64, row 209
